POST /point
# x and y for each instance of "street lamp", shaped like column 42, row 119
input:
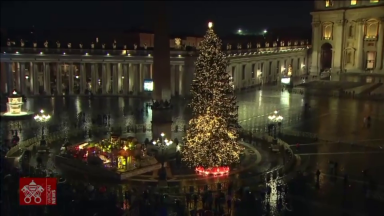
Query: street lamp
column 42, row 118
column 275, row 120
column 162, row 143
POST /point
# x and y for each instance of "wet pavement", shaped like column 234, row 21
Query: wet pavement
column 332, row 119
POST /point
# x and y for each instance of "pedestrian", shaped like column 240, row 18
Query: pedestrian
column 345, row 180
column 229, row 203
column 195, row 200
column 317, row 176
column 335, row 168
column 331, row 166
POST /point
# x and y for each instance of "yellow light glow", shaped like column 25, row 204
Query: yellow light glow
column 373, row 1
column 353, row 2
column 125, row 148
column 209, row 143
column 210, row 25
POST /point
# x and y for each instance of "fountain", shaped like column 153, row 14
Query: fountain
column 15, row 107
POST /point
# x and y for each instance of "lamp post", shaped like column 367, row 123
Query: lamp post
column 275, row 121
column 162, row 143
column 42, row 119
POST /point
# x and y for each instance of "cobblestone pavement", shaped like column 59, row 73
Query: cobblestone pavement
column 331, row 119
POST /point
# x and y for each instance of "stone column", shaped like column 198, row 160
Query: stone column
column 360, row 48
column 338, row 38
column 120, row 79
column 59, row 78
column 116, row 78
column 71, row 79
column 22, row 79
column 181, row 80
column 151, row 71
column 3, row 79
column 104, row 78
column 47, row 79
column 379, row 57
column 109, row 73
column 173, row 79
column 10, row 80
column 94, row 78
column 126, row 79
column 316, row 47
column 35, row 79
column 137, row 83
column 141, row 79
column 83, row 78
column 16, row 76
column 131, row 78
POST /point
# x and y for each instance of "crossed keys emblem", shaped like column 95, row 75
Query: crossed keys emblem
column 32, row 190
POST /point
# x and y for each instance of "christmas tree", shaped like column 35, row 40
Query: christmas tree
column 211, row 139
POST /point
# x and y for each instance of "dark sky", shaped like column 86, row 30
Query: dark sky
column 185, row 16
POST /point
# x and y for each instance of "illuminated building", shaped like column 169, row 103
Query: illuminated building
column 69, row 69
column 348, row 39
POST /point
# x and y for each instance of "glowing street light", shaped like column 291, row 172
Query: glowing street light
column 275, row 119
column 162, row 143
column 42, row 119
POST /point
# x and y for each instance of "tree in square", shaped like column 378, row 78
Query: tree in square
column 211, row 139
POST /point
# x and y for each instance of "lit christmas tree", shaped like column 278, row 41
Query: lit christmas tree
column 211, row 139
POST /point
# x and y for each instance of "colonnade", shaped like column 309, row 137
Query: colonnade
column 62, row 78
column 267, row 71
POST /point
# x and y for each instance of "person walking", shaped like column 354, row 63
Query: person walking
column 229, row 203
column 317, row 176
column 335, row 168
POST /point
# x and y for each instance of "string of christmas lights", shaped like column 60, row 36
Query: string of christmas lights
column 211, row 139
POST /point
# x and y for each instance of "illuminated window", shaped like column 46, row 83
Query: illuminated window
column 371, row 29
column 327, row 31
column 373, row 1
column 371, row 57
column 328, row 3
column 353, row 2
column 289, row 70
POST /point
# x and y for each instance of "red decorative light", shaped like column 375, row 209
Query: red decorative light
column 213, row 170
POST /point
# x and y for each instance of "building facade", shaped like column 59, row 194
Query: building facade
column 50, row 71
column 348, row 38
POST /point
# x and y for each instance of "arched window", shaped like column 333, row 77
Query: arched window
column 327, row 31
column 371, row 29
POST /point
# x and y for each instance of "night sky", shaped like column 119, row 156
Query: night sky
column 184, row 16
